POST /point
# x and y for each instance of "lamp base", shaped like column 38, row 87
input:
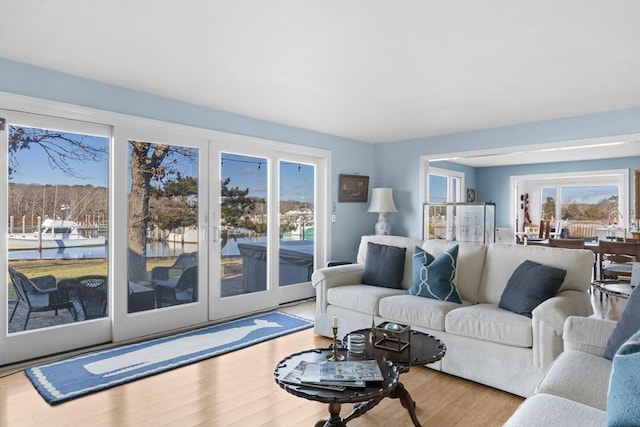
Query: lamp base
column 382, row 226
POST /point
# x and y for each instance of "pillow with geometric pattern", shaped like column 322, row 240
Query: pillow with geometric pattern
column 434, row 277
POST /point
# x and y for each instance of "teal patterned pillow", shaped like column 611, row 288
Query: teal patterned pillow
column 433, row 277
column 623, row 399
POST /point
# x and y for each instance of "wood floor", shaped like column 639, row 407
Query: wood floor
column 237, row 389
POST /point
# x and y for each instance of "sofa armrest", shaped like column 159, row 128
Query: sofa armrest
column 587, row 334
column 329, row 277
column 555, row 311
column 548, row 323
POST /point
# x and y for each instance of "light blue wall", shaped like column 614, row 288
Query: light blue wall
column 348, row 156
column 394, row 164
column 400, row 161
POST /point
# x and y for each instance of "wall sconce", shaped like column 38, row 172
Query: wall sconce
column 382, row 202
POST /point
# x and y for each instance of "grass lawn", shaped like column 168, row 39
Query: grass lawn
column 68, row 268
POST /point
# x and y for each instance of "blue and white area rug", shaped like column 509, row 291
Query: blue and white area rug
column 70, row 378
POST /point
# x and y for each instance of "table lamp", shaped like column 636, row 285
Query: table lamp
column 382, row 202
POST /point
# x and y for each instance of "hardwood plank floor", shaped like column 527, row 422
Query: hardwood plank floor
column 237, row 389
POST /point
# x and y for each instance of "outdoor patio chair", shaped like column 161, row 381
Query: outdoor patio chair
column 182, row 291
column 89, row 293
column 184, row 261
column 39, row 294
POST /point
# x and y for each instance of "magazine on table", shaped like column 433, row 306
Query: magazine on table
column 294, row 378
column 351, row 373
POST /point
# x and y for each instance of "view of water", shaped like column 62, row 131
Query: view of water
column 154, row 249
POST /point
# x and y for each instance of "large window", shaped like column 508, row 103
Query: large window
column 598, row 203
column 582, row 203
column 445, row 186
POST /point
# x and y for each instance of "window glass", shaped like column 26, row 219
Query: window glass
column 163, row 225
column 244, row 213
column 297, row 223
column 58, row 222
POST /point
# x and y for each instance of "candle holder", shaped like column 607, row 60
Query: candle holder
column 334, row 356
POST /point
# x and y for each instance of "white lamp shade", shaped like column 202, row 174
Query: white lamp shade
column 382, row 200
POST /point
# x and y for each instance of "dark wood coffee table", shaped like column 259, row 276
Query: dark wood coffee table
column 424, row 349
column 373, row 392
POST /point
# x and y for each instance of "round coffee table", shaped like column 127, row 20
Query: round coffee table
column 423, row 349
column 373, row 392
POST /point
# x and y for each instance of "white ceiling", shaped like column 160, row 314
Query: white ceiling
column 373, row 71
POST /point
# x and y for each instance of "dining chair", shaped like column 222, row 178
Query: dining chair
column 545, row 229
column 616, row 258
column 39, row 294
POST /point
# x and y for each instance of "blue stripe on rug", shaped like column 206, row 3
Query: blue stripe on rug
column 70, row 378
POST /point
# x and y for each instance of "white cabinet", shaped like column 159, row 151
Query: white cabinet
column 464, row 222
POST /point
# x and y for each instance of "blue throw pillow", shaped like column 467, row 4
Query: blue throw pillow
column 530, row 284
column 628, row 324
column 384, row 266
column 623, row 399
column 433, row 277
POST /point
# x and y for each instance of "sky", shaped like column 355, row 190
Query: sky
column 34, row 167
column 296, row 181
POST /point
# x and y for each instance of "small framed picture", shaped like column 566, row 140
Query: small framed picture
column 471, row 195
column 353, row 188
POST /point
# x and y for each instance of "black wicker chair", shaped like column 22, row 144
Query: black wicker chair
column 182, row 262
column 183, row 291
column 90, row 293
column 39, row 294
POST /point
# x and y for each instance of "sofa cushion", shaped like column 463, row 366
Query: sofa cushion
column 360, row 298
column 531, row 284
column 628, row 324
column 578, row 376
column 421, row 312
column 434, row 277
column 488, row 322
column 547, row 410
column 623, row 401
column 384, row 266
column 503, row 259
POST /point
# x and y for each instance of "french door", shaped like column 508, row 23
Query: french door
column 56, row 208
column 264, row 228
column 162, row 247
column 164, row 226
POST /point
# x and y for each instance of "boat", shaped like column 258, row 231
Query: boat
column 52, row 234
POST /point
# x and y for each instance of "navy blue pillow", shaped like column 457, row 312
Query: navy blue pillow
column 530, row 284
column 434, row 277
column 628, row 324
column 384, row 266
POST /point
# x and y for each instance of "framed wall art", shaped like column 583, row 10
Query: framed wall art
column 353, row 188
column 471, row 195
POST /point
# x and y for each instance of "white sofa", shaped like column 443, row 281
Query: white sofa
column 485, row 343
column 573, row 392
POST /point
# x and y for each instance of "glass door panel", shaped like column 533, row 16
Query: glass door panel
column 297, row 222
column 161, row 248
column 162, row 232
column 57, row 225
column 243, row 224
